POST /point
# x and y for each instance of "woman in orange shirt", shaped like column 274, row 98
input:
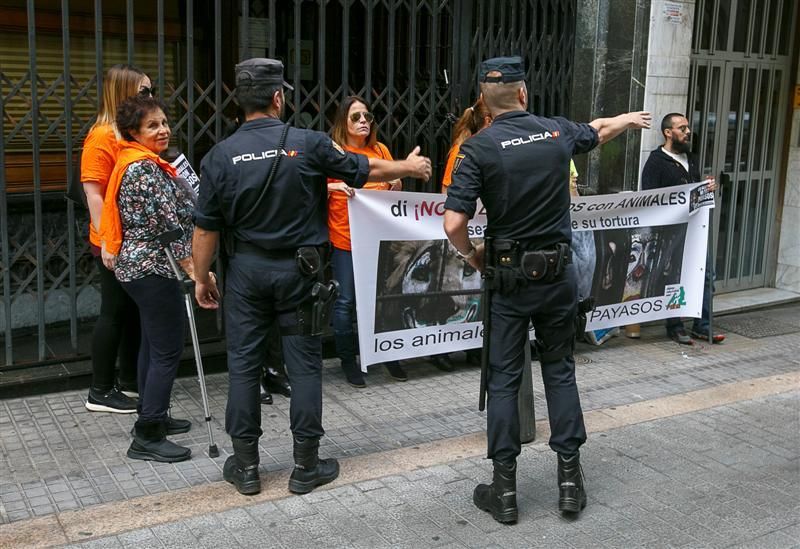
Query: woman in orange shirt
column 473, row 120
column 355, row 131
column 117, row 332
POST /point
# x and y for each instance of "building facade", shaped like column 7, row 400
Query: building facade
column 415, row 62
column 731, row 65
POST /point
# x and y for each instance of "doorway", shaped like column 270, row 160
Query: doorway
column 738, row 96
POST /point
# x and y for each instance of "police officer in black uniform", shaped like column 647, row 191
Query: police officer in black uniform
column 276, row 239
column 519, row 168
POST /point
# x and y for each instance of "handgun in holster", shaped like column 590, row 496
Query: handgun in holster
column 585, row 305
column 324, row 294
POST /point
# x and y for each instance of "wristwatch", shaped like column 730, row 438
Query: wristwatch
column 467, row 256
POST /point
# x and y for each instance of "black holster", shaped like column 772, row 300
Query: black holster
column 545, row 265
column 584, row 306
column 315, row 314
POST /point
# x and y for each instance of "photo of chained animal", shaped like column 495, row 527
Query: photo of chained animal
column 628, row 264
column 424, row 283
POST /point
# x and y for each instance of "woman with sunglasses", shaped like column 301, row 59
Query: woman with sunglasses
column 355, row 131
column 116, row 333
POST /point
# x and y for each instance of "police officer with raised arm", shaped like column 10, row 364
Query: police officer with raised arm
column 265, row 186
column 518, row 167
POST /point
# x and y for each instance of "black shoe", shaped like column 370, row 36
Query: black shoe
column 680, row 336
column 474, row 357
column 129, row 389
column 500, row 497
column 173, row 425
column 275, row 382
column 571, row 492
column 241, row 469
column 177, row 426
column 150, row 443
column 355, row 378
column 396, row 372
column 110, row 401
column 702, row 335
column 310, row 471
column 346, row 351
column 265, row 395
column 443, row 363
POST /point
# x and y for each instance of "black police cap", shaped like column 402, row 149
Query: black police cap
column 260, row 71
column 510, row 69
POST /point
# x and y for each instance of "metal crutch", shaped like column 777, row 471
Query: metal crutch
column 165, row 239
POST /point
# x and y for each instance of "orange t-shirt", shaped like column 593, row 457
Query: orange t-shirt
column 447, row 178
column 338, row 217
column 100, row 150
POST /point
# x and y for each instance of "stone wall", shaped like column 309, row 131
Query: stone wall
column 608, row 79
column 668, row 66
column 787, row 275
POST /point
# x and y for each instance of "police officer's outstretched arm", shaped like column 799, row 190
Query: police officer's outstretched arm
column 415, row 165
column 609, row 128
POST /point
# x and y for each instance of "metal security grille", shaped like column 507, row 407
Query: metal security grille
column 738, row 105
column 414, row 61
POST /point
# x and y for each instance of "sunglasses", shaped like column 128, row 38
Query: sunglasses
column 356, row 116
column 145, row 91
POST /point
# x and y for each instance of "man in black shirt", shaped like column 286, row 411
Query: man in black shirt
column 277, row 240
column 669, row 165
column 519, row 168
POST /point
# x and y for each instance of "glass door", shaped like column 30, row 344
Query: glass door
column 735, row 121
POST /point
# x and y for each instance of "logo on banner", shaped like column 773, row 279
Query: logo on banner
column 700, row 197
column 677, row 297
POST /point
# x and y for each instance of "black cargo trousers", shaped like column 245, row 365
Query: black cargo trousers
column 259, row 288
column 552, row 307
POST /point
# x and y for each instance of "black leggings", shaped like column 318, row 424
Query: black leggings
column 116, row 334
column 161, row 307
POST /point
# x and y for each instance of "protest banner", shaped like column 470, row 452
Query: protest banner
column 641, row 255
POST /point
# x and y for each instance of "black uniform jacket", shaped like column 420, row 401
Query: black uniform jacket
column 293, row 213
column 519, row 167
column 661, row 170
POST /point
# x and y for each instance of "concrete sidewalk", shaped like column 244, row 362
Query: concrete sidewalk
column 59, row 460
column 693, row 480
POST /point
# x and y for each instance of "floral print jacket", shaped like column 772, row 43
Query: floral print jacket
column 151, row 203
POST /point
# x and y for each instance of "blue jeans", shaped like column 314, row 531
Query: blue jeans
column 699, row 325
column 344, row 310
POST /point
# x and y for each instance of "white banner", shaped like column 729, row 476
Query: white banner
column 641, row 255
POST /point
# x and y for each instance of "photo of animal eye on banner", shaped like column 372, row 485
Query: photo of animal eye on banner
column 641, row 255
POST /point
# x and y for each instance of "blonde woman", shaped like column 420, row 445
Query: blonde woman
column 116, row 333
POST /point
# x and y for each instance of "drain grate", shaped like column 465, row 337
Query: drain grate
column 756, row 326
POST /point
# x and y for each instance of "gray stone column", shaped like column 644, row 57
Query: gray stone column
column 787, row 276
column 609, row 79
column 668, row 66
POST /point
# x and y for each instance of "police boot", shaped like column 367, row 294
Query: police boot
column 571, row 495
column 275, row 381
column 310, row 471
column 150, row 443
column 346, row 351
column 500, row 497
column 241, row 469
